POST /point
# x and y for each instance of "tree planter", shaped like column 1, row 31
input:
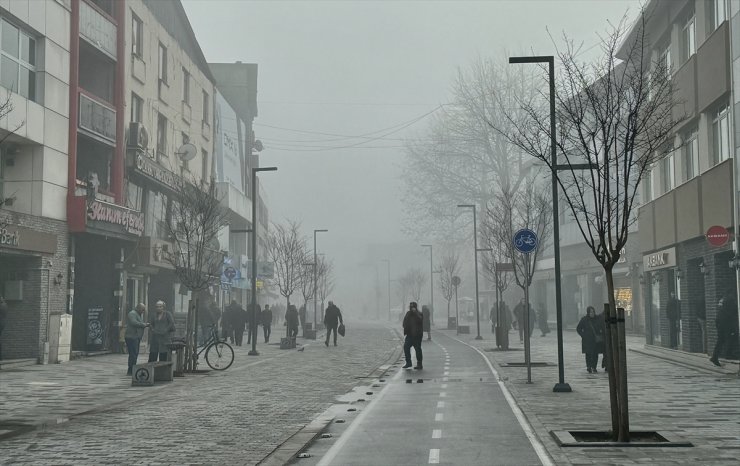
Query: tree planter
column 600, row 438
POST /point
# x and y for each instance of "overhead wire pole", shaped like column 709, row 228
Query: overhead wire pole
column 475, row 254
column 389, row 287
column 253, row 317
column 561, row 386
column 314, row 276
column 431, row 277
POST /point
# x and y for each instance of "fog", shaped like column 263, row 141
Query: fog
column 343, row 69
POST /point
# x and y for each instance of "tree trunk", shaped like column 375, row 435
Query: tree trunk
column 608, row 357
column 619, row 360
column 624, row 415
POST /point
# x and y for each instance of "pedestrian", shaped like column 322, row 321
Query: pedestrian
column 427, row 324
column 726, row 323
column 542, row 319
column 3, row 320
column 701, row 318
column 291, row 321
column 302, row 318
column 239, row 320
column 673, row 313
column 257, row 318
column 332, row 319
column 135, row 326
column 413, row 329
column 231, row 321
column 592, row 336
column 161, row 328
column 519, row 318
column 266, row 318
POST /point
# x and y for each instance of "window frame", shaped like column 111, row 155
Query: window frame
column 688, row 43
column 161, row 148
column 206, row 105
column 137, row 36
column 21, row 63
column 162, row 62
column 186, row 78
column 718, row 15
column 720, row 120
column 137, row 108
column 690, row 154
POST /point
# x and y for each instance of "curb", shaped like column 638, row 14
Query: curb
column 289, row 449
column 681, row 358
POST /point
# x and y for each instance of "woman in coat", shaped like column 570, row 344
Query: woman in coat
column 162, row 326
column 592, row 338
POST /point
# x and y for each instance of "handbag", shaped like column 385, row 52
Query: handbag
column 341, row 329
column 598, row 339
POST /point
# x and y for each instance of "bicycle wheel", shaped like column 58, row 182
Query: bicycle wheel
column 219, row 356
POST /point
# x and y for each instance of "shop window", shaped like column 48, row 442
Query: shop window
column 17, row 60
column 721, row 135
column 160, row 208
column 134, row 196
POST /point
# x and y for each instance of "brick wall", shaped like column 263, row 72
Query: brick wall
column 26, row 327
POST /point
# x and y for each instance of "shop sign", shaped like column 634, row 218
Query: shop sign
column 26, row 239
column 154, row 171
column 9, row 238
column 95, row 326
column 660, row 259
column 131, row 221
column 718, row 235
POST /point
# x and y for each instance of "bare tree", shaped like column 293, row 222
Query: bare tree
column 325, row 277
column 615, row 114
column 287, row 249
column 197, row 218
column 403, row 288
column 417, row 279
column 449, row 267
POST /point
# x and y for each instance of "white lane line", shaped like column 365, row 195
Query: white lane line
column 537, row 445
column 444, row 379
column 440, row 404
column 439, row 417
column 339, row 444
column 444, row 385
column 446, row 373
column 434, row 456
column 437, row 433
column 442, row 394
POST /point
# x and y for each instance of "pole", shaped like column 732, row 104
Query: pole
column 388, row 262
column 253, row 317
column 527, row 350
column 314, row 282
column 561, row 386
column 431, row 285
column 457, row 315
column 475, row 251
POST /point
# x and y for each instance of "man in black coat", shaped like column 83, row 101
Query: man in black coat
column 413, row 328
column 726, row 322
column 291, row 320
column 332, row 319
column 239, row 321
column 673, row 313
column 266, row 318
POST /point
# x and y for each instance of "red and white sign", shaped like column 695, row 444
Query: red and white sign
column 718, row 235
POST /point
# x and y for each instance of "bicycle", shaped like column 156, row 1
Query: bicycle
column 528, row 240
column 219, row 354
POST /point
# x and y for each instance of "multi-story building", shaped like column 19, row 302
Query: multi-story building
column 690, row 189
column 34, row 104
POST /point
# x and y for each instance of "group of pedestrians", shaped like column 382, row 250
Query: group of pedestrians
column 501, row 317
column 161, row 327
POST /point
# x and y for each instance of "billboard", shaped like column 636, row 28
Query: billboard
column 229, row 139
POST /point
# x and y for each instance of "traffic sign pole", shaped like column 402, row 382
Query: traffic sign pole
column 526, row 242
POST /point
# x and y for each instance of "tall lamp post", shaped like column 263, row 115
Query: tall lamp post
column 475, row 254
column 431, row 277
column 314, row 276
column 253, row 317
column 561, row 386
column 387, row 261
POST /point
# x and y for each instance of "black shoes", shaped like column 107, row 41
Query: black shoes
column 408, row 364
column 589, row 370
column 715, row 362
column 419, row 367
column 326, row 343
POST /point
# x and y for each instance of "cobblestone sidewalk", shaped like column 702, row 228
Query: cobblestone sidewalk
column 237, row 416
column 701, row 406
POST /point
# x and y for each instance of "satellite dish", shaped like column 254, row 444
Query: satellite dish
column 187, row 152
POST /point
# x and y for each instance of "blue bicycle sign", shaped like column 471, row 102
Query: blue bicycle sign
column 525, row 240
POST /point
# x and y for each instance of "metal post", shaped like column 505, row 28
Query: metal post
column 431, row 280
column 314, row 281
column 387, row 261
column 477, row 296
column 253, row 317
column 457, row 315
column 527, row 348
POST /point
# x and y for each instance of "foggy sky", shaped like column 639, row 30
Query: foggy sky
column 351, row 68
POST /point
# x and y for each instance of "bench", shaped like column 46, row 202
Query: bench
column 148, row 373
column 463, row 329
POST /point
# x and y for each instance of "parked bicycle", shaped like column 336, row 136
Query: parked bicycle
column 219, row 354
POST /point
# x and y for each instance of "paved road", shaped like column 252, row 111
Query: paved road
column 234, row 417
column 457, row 415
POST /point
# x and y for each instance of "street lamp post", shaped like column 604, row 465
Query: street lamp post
column 253, row 317
column 431, row 278
column 314, row 276
column 475, row 254
column 387, row 261
column 561, row 386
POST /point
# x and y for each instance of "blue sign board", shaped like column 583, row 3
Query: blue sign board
column 525, row 240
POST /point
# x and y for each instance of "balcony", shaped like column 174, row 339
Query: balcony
column 97, row 119
column 233, row 200
column 98, row 30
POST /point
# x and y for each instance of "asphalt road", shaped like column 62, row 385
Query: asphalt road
column 454, row 411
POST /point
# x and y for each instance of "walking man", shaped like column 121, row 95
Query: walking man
column 332, row 319
column 673, row 313
column 726, row 326
column 239, row 319
column 291, row 320
column 135, row 326
column 266, row 318
column 413, row 329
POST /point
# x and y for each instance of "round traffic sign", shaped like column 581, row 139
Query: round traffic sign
column 230, row 273
column 718, row 235
column 525, row 240
column 456, row 281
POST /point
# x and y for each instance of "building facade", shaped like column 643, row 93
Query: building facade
column 34, row 104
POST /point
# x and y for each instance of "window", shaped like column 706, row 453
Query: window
column 185, row 86
column 206, row 105
column 665, row 60
column 688, row 39
column 718, row 13
column 691, row 154
column 17, row 61
column 134, row 196
column 162, row 63
column 721, row 135
column 161, row 137
column 137, row 105
column 648, row 177
column 204, row 166
column 160, row 207
column 137, row 36
column 668, row 172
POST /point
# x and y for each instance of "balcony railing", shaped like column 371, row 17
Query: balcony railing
column 98, row 30
column 97, row 118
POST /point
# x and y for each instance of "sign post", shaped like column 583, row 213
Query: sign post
column 525, row 241
column 456, row 282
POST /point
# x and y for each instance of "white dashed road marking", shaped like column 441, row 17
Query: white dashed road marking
column 440, row 404
column 442, row 394
column 439, row 417
column 437, row 433
column 434, row 456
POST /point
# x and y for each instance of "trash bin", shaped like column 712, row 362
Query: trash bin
column 178, row 346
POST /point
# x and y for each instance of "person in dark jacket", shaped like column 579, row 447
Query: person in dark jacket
column 135, row 326
column 519, row 314
column 229, row 322
column 239, row 321
column 266, row 318
column 291, row 320
column 673, row 313
column 542, row 319
column 413, row 329
column 427, row 323
column 302, row 317
column 726, row 322
column 592, row 336
column 332, row 319
column 161, row 329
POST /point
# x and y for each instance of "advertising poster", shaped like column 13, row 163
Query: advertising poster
column 228, row 140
